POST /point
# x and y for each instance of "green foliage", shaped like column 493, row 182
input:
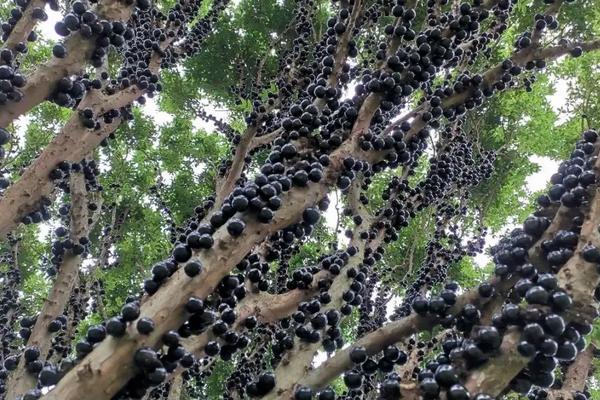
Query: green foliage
column 309, row 252
column 503, row 198
column 31, row 250
column 467, row 273
column 338, row 386
column 234, row 54
column 581, row 77
column 349, row 326
column 404, row 256
column 35, row 292
column 43, row 123
column 215, row 384
column 37, row 54
column 180, row 156
column 191, row 158
column 594, row 337
column 143, row 243
column 83, row 326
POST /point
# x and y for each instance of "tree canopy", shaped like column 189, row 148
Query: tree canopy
column 354, row 199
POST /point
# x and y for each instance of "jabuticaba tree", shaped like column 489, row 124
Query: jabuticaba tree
column 382, row 108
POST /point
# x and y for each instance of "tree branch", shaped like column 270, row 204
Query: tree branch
column 25, row 195
column 24, row 25
column 226, row 185
column 71, row 144
column 176, row 388
column 578, row 278
column 104, row 371
column 42, row 81
column 577, row 373
column 20, row 380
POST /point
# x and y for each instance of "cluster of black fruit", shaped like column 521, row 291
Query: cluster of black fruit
column 149, row 39
column 39, row 215
column 372, row 312
column 355, row 297
column 572, row 178
column 217, row 315
column 442, row 251
column 5, row 138
column 164, row 208
column 305, row 113
column 547, row 337
column 401, row 80
column 105, row 34
column 68, row 92
column 412, row 67
column 9, row 304
column 254, row 362
column 48, row 375
column 65, row 246
column 262, row 196
column 11, row 80
column 409, row 68
column 283, row 255
column 140, row 39
column 76, row 311
column 89, row 25
column 456, row 166
column 145, row 42
column 222, row 127
column 63, row 171
column 198, row 33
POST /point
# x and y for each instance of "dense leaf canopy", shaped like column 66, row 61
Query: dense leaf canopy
column 167, row 160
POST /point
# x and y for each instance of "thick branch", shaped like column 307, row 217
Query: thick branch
column 234, row 172
column 25, row 195
column 577, row 373
column 42, row 81
column 176, row 388
column 500, row 370
column 264, row 140
column 579, row 278
column 24, row 25
column 71, row 144
column 20, row 380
